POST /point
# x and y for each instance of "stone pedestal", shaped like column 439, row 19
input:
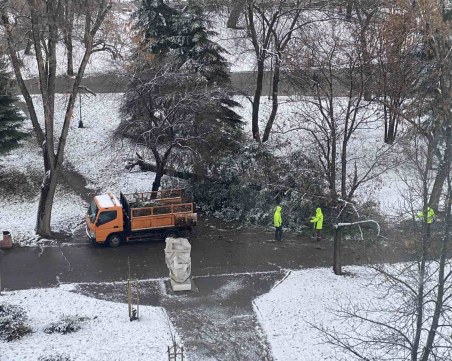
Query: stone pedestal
column 185, row 286
column 178, row 260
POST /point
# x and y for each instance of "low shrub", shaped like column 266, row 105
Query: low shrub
column 13, row 324
column 67, row 324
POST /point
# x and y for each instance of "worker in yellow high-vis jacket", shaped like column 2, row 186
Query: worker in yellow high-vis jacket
column 430, row 217
column 318, row 223
column 277, row 222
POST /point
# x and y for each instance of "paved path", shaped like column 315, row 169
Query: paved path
column 243, row 82
column 216, row 321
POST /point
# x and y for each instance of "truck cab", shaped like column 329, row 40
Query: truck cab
column 104, row 219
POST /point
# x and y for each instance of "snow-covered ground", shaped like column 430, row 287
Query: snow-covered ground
column 365, row 148
column 316, row 297
column 304, row 298
column 91, row 151
column 106, row 334
column 99, row 63
column 288, row 314
column 95, row 154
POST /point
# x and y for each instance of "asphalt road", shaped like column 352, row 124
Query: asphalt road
column 217, row 248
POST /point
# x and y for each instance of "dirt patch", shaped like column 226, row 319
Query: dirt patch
column 73, row 180
column 20, row 185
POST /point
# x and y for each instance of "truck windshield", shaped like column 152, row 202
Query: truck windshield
column 92, row 211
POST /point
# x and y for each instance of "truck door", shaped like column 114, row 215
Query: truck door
column 106, row 224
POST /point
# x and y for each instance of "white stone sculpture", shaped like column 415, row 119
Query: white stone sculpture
column 178, row 260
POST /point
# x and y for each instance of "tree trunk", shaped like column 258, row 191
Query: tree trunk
column 28, row 47
column 70, row 62
column 391, row 123
column 234, row 15
column 442, row 288
column 422, row 263
column 332, row 165
column 439, row 182
column 257, row 99
column 344, row 169
column 149, row 167
column 349, row 9
column 272, row 117
column 160, row 171
column 48, row 189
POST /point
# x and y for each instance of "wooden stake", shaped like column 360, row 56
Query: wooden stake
column 129, row 291
column 137, row 288
column 129, row 298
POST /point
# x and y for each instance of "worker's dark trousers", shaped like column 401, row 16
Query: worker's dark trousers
column 278, row 233
column 318, row 234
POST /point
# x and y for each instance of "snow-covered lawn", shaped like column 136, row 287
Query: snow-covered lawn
column 287, row 315
column 100, row 159
column 94, row 153
column 310, row 297
column 21, row 170
column 91, row 151
column 365, row 147
column 106, row 334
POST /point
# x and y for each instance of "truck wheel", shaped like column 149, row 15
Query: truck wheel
column 114, row 240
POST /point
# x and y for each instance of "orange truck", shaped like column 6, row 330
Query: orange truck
column 139, row 216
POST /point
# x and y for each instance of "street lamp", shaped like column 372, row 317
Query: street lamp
column 87, row 90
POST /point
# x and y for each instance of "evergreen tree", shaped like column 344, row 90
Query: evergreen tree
column 155, row 22
column 180, row 78
column 10, row 117
column 183, row 33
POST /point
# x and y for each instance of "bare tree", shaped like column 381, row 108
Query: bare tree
column 412, row 318
column 272, row 26
column 414, row 77
column 336, row 120
column 44, row 18
column 176, row 115
column 397, row 68
column 337, row 114
column 416, row 326
column 67, row 18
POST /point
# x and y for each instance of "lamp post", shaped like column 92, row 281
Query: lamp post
column 87, row 90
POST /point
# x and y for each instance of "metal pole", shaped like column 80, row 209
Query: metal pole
column 87, row 90
column 80, row 122
column 337, row 258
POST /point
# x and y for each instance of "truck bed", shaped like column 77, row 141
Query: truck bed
column 171, row 215
column 166, row 212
